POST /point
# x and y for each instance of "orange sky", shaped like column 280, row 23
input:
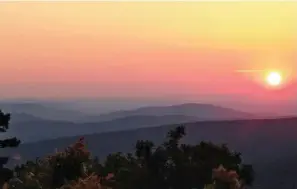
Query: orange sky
column 146, row 49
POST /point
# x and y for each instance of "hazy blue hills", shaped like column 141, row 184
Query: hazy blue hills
column 30, row 118
column 201, row 111
column 35, row 130
column 40, row 111
column 55, row 113
column 269, row 144
column 24, row 117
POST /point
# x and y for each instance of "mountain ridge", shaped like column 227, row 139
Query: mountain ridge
column 120, row 120
column 204, row 111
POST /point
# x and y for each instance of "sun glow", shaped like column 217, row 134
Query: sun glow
column 274, row 79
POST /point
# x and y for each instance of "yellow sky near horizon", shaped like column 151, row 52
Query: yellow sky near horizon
column 139, row 42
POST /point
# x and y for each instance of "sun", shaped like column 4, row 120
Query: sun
column 274, row 79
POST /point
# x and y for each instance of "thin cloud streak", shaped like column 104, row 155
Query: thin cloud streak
column 249, row 71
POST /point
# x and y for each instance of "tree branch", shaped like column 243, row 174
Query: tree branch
column 12, row 142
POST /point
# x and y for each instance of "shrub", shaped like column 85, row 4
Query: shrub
column 168, row 166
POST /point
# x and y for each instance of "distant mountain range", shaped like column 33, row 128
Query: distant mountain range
column 201, row 111
column 29, row 119
column 46, row 129
column 40, row 111
column 269, row 144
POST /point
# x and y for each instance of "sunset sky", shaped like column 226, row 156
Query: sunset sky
column 133, row 49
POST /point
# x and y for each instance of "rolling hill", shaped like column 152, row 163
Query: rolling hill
column 40, row 111
column 29, row 119
column 52, row 113
column 48, row 129
column 201, row 111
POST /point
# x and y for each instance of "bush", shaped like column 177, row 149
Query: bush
column 169, row 166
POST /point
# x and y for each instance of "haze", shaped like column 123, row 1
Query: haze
column 147, row 50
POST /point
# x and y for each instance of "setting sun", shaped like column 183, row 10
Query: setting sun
column 274, row 79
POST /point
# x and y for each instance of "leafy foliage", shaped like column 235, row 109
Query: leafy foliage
column 171, row 165
column 6, row 174
column 58, row 170
column 174, row 165
column 4, row 121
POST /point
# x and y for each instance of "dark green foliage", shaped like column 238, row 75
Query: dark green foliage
column 6, row 174
column 247, row 172
column 69, row 164
column 4, row 125
column 4, row 121
column 52, row 171
column 168, row 166
column 12, row 142
column 173, row 165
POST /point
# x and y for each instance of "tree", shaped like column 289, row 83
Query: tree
column 6, row 174
column 67, row 169
column 174, row 166
column 171, row 165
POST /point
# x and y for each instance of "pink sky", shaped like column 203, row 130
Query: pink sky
column 146, row 49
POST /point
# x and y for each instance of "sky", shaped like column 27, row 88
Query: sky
column 153, row 49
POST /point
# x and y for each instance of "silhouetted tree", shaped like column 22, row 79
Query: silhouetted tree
column 175, row 166
column 64, row 169
column 171, row 165
column 6, row 174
